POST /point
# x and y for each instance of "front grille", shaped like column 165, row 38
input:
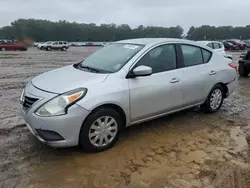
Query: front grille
column 28, row 102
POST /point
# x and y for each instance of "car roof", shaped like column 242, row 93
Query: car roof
column 152, row 41
column 206, row 41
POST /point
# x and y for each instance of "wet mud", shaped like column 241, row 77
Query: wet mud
column 186, row 149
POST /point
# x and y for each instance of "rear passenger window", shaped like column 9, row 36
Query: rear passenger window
column 60, row 43
column 64, row 42
column 216, row 45
column 220, row 45
column 210, row 45
column 192, row 55
column 206, row 55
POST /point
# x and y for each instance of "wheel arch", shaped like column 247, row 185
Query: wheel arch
column 225, row 88
column 116, row 107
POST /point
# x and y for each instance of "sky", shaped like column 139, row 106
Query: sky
column 165, row 13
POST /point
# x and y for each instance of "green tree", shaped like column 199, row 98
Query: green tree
column 44, row 30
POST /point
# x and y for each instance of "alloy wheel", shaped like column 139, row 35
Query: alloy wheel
column 215, row 99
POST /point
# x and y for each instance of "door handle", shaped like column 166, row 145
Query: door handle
column 174, row 80
column 212, row 73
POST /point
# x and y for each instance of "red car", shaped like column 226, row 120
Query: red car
column 238, row 43
column 9, row 45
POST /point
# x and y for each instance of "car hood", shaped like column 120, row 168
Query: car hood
column 65, row 79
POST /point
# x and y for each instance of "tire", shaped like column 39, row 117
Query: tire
column 48, row 48
column 207, row 106
column 243, row 71
column 64, row 48
column 90, row 125
column 3, row 49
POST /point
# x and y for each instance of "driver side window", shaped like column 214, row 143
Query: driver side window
column 160, row 59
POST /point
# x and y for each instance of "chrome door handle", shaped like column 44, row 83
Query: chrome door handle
column 212, row 73
column 174, row 80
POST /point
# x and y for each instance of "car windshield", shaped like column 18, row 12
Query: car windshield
column 112, row 57
column 48, row 42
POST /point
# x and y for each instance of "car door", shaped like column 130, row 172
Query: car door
column 60, row 45
column 55, row 45
column 198, row 74
column 160, row 92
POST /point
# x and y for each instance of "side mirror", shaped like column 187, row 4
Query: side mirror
column 142, row 71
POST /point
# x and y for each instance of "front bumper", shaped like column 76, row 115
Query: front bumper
column 67, row 126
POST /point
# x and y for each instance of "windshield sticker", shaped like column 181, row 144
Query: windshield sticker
column 131, row 47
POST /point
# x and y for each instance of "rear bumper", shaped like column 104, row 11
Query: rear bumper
column 232, row 86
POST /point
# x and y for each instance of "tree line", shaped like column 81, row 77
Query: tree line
column 207, row 32
column 44, row 30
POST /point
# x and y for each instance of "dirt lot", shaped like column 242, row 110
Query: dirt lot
column 187, row 149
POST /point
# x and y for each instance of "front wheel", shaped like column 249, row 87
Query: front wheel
column 214, row 100
column 100, row 130
column 3, row 49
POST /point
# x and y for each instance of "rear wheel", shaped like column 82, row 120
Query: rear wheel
column 243, row 71
column 214, row 100
column 3, row 49
column 64, row 48
column 100, row 130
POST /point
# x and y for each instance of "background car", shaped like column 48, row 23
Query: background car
column 90, row 102
column 216, row 46
column 42, row 44
column 9, row 45
column 230, row 46
column 55, row 45
column 247, row 42
column 241, row 45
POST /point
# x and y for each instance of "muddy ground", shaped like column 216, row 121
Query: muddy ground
column 187, row 149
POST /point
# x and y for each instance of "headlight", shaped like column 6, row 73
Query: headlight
column 59, row 105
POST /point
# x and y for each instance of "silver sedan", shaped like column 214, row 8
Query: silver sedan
column 122, row 84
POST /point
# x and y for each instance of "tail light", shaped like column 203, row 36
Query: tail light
column 234, row 66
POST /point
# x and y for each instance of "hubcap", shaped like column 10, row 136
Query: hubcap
column 215, row 99
column 103, row 131
column 3, row 49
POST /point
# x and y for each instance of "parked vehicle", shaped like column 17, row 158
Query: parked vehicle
column 230, row 46
column 244, row 64
column 55, row 45
column 5, row 40
column 35, row 44
column 122, row 84
column 241, row 45
column 247, row 42
column 40, row 45
column 9, row 45
column 216, row 46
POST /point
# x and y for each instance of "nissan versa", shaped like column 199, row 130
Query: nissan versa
column 122, row 84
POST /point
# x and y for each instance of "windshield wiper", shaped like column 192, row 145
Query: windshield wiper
column 89, row 68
